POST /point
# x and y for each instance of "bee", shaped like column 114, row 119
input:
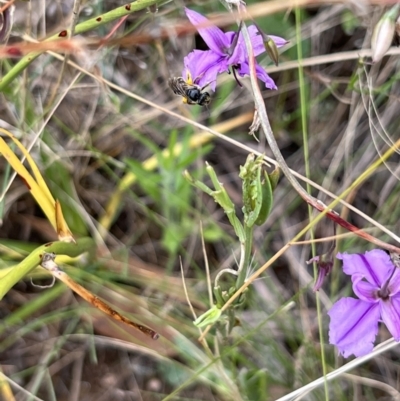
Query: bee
column 191, row 93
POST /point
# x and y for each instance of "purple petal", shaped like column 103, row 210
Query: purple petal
column 278, row 40
column 204, row 66
column 256, row 40
column 365, row 291
column 390, row 311
column 239, row 55
column 394, row 284
column 261, row 74
column 374, row 265
column 212, row 35
column 353, row 326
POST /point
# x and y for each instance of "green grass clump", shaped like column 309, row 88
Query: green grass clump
column 169, row 226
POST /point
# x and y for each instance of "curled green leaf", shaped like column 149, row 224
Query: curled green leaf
column 274, row 178
column 209, row 317
column 267, row 188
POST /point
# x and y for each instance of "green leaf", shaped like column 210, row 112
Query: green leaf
column 209, row 317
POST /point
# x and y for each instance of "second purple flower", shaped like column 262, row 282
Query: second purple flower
column 354, row 322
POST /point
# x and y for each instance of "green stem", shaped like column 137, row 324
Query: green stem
column 304, row 104
column 245, row 261
column 83, row 27
column 34, row 259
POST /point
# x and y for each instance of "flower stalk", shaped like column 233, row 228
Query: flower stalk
column 257, row 188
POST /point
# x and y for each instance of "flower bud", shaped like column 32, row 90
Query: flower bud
column 324, row 265
column 382, row 36
column 272, row 49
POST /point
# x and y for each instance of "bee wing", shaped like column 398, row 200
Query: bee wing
column 178, row 86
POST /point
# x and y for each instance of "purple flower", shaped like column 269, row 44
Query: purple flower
column 227, row 49
column 354, row 322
